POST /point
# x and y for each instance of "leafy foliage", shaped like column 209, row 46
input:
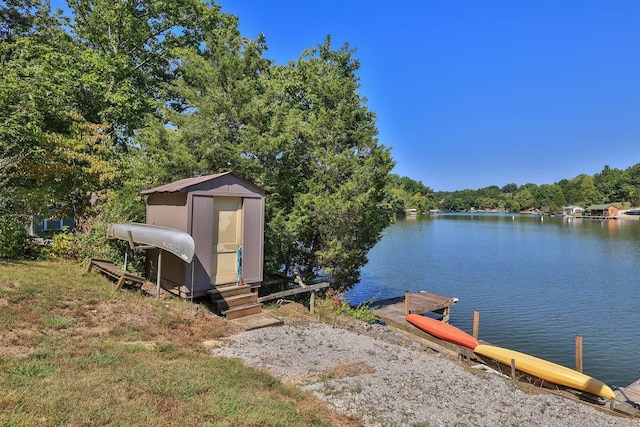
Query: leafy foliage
column 406, row 193
column 302, row 132
column 129, row 94
column 51, row 156
column 125, row 95
column 15, row 242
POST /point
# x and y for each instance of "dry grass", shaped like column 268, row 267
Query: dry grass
column 75, row 352
column 351, row 369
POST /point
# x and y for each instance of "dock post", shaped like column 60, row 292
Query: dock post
column 513, row 368
column 446, row 314
column 312, row 302
column 158, row 275
column 579, row 353
column 406, row 303
column 476, row 323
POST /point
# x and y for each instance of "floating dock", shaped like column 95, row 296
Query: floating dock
column 396, row 309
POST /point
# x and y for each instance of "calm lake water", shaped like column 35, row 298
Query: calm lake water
column 536, row 282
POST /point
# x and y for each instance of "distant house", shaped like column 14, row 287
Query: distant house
column 572, row 210
column 606, row 210
column 47, row 227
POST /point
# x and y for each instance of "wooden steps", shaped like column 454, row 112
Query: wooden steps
column 235, row 302
column 257, row 321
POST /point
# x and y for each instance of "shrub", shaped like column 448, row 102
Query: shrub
column 62, row 244
column 15, row 242
column 335, row 304
column 363, row 312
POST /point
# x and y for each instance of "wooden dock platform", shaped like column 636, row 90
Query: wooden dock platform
column 595, row 217
column 628, row 399
column 396, row 309
column 393, row 312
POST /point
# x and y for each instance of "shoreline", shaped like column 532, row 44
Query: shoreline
column 383, row 378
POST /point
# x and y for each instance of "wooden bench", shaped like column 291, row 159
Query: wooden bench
column 108, row 269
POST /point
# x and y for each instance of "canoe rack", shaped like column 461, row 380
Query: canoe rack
column 114, row 273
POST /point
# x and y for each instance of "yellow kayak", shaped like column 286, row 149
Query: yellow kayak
column 546, row 370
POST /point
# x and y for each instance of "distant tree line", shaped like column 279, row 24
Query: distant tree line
column 609, row 186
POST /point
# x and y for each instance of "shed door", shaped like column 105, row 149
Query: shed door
column 227, row 236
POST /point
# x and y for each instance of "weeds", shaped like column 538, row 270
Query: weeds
column 75, row 352
column 546, row 405
column 334, row 305
column 32, row 369
column 58, row 322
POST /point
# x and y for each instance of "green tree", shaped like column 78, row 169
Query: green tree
column 524, row 198
column 614, row 184
column 509, row 188
column 299, row 130
column 549, row 198
column 634, row 182
column 51, row 156
column 407, row 193
column 17, row 18
column 329, row 153
column 130, row 55
column 590, row 194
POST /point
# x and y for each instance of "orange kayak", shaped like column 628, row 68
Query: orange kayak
column 442, row 330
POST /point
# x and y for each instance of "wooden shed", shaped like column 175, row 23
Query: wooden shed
column 225, row 216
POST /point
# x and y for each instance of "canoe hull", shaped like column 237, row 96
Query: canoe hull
column 546, row 370
column 442, row 330
column 169, row 239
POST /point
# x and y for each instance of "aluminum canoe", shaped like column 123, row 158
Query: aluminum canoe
column 169, row 239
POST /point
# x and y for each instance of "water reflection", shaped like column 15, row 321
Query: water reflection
column 537, row 282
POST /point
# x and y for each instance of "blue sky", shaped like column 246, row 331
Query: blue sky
column 473, row 93
column 476, row 93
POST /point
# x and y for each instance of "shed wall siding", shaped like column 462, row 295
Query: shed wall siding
column 252, row 242
column 173, row 269
column 168, row 210
column 202, row 233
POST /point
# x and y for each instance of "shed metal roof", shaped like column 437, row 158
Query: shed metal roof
column 184, row 184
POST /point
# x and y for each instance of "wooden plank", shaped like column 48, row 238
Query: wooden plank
column 419, row 303
column 255, row 321
column 120, row 282
column 392, row 311
column 294, row 291
column 630, row 393
column 107, row 268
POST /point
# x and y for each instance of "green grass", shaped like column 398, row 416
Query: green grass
column 76, row 352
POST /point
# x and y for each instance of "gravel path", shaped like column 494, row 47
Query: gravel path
column 385, row 379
